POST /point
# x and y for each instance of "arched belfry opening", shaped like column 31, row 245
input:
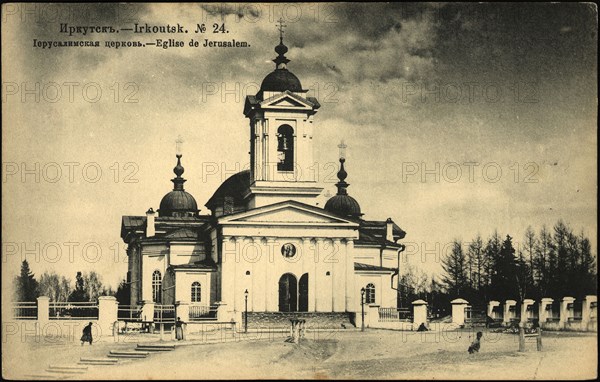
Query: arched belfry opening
column 285, row 148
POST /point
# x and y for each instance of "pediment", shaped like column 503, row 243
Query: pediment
column 286, row 101
column 287, row 213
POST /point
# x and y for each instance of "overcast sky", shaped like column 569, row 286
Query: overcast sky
column 473, row 88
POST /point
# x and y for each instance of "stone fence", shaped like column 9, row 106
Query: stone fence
column 566, row 314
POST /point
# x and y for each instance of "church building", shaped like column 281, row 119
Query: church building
column 264, row 241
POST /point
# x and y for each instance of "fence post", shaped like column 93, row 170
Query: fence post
column 524, row 312
column 148, row 313
column 372, row 315
column 182, row 310
column 458, row 311
column 507, row 313
column 490, row 310
column 419, row 313
column 543, row 313
column 565, row 311
column 222, row 314
column 43, row 313
column 586, row 312
column 108, row 307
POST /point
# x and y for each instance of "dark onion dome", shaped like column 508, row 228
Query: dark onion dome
column 235, row 187
column 281, row 80
column 343, row 204
column 178, row 202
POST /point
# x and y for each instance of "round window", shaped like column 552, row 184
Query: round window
column 288, row 250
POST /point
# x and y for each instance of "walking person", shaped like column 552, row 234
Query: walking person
column 179, row 329
column 87, row 334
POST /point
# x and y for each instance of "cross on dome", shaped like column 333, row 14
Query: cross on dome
column 178, row 145
column 342, row 146
column 280, row 27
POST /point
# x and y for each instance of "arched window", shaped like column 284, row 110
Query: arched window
column 156, row 286
column 285, row 148
column 196, row 292
column 370, row 294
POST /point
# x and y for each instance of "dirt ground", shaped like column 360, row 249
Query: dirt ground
column 373, row 354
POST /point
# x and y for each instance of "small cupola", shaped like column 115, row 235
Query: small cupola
column 178, row 203
column 342, row 203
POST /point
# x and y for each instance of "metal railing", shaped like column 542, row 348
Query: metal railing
column 202, row 313
column 388, row 315
column 475, row 315
column 164, row 313
column 73, row 311
column 24, row 310
column 130, row 312
column 405, row 314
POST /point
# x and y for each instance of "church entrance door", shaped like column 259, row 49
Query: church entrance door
column 303, row 299
column 288, row 293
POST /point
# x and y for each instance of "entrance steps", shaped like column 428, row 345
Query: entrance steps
column 98, row 361
column 154, row 347
column 128, row 354
column 44, row 377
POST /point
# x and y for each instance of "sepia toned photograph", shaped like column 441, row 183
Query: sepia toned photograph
column 325, row 190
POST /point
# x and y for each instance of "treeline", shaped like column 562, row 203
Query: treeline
column 552, row 264
column 88, row 286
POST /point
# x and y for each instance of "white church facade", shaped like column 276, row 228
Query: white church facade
column 266, row 243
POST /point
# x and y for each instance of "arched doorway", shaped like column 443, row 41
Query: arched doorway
column 303, row 295
column 288, row 293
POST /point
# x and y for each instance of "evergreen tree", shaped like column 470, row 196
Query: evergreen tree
column 79, row 294
column 491, row 253
column 542, row 263
column 476, row 261
column 455, row 271
column 504, row 280
column 524, row 282
column 26, row 286
column 439, row 301
column 529, row 256
column 123, row 293
column 587, row 267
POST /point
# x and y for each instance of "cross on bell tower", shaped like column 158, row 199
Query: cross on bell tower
column 280, row 27
column 281, row 60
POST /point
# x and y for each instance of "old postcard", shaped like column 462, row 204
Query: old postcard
column 299, row 191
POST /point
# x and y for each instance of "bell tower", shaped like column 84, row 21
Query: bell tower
column 281, row 117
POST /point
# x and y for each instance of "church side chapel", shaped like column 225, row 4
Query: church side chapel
column 266, row 247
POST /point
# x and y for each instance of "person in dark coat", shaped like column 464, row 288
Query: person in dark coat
column 87, row 334
column 179, row 329
column 476, row 344
column 422, row 328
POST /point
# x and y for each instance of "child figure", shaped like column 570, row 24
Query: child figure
column 476, row 344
